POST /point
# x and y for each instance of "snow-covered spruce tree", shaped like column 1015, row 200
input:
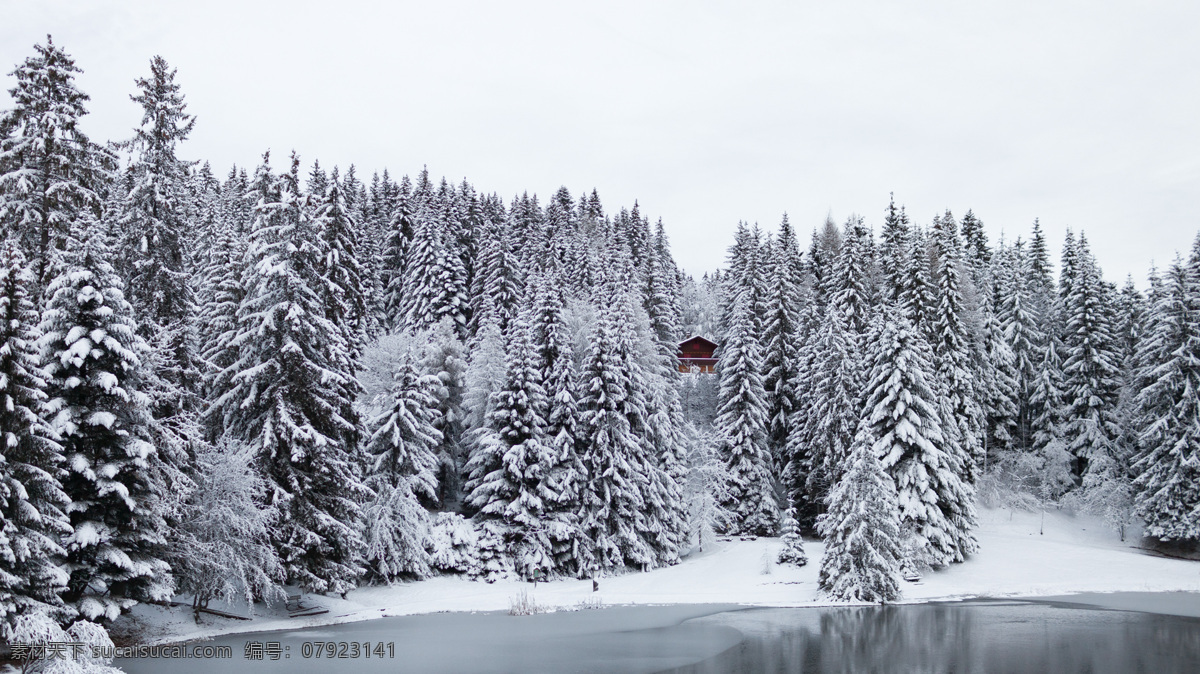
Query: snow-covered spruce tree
column 484, row 376
column 900, row 410
column 1167, row 488
column 507, row 479
column 741, row 421
column 92, row 356
column 665, row 419
column 961, row 415
column 1023, row 333
column 861, row 528
column 781, row 338
column 498, row 282
column 434, row 276
column 221, row 296
column 565, row 473
column 49, row 169
column 894, row 252
column 1047, row 425
column 404, row 468
column 917, row 296
column 155, row 226
column 825, row 425
column 32, row 502
column 999, row 391
column 744, row 273
column 849, row 287
column 615, row 516
column 445, row 359
column 1090, row 363
column 284, row 396
column 221, row 547
column 344, row 275
column 793, row 544
column 394, row 255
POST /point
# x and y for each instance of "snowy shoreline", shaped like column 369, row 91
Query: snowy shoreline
column 1076, row 555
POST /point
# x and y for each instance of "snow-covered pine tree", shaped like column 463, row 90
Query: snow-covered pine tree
column 665, row 418
column 1090, row 367
column 93, row 359
column 498, row 281
column 285, row 395
column 861, row 528
column 744, row 271
column 32, row 502
column 1043, row 301
column 793, row 545
column 894, row 251
column 155, row 226
column 917, row 296
column 445, row 359
column 1022, row 332
column 900, row 411
column 404, row 468
column 1167, row 487
column 999, row 392
column 820, row 437
column 399, row 236
column 434, row 275
column 221, row 294
column 344, row 275
column 822, row 257
column 1047, row 426
column 565, row 472
column 961, row 415
column 49, row 169
column 507, row 471
column 741, row 421
column 782, row 339
column 849, row 287
column 612, row 423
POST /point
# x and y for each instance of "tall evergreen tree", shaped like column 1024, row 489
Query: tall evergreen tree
column 403, row 469
column 861, row 529
column 962, row 416
column 1090, row 367
column 507, row 482
column 50, row 171
column 32, row 502
column 93, row 358
column 741, row 420
column 285, row 395
column 782, row 338
column 1167, row 487
column 900, row 410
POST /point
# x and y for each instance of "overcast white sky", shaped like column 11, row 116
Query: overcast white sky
column 1083, row 114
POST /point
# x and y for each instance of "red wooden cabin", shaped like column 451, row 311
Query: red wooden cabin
column 696, row 355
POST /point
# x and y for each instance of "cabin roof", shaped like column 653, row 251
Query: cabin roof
column 697, row 339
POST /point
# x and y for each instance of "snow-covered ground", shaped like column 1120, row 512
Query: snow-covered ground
column 1076, row 554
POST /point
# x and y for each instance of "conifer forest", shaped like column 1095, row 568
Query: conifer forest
column 231, row 383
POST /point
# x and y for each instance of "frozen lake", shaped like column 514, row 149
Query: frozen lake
column 973, row 636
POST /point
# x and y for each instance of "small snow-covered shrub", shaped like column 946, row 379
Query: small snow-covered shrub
column 494, row 559
column 39, row 629
column 793, row 544
column 453, row 545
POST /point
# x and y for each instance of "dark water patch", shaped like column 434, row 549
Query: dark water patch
column 958, row 637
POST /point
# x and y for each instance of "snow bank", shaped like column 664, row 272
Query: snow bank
column 1076, row 554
